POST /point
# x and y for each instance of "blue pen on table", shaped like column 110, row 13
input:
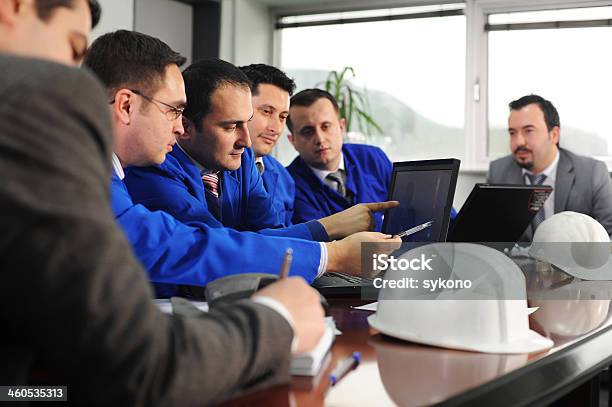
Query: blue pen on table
column 344, row 366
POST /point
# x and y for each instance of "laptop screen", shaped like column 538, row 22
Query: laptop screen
column 425, row 191
column 498, row 213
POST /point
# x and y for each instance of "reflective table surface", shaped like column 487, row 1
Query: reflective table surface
column 395, row 372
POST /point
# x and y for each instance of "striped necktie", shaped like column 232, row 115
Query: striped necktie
column 337, row 178
column 346, row 193
column 211, row 182
column 540, row 216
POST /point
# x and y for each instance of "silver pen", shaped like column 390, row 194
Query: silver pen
column 414, row 229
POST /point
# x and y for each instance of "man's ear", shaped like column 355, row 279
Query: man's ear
column 9, row 10
column 123, row 106
column 189, row 127
column 342, row 123
column 291, row 139
column 555, row 134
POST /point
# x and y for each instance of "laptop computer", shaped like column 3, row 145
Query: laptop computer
column 425, row 190
column 498, row 213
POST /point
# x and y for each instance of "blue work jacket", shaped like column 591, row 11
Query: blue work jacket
column 368, row 172
column 280, row 187
column 176, row 187
column 175, row 253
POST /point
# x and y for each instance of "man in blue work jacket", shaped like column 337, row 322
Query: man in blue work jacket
column 329, row 176
column 271, row 89
column 147, row 97
column 211, row 176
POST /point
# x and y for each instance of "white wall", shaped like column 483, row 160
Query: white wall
column 116, row 15
column 246, row 35
column 170, row 21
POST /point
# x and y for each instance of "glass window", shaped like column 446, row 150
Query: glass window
column 570, row 67
column 412, row 70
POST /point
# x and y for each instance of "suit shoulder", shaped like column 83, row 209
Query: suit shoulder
column 502, row 162
column 581, row 160
column 28, row 76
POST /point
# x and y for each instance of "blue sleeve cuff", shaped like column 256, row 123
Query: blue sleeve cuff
column 318, row 232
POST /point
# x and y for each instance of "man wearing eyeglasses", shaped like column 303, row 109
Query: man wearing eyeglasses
column 211, row 175
column 190, row 253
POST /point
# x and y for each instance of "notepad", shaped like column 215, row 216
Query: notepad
column 310, row 363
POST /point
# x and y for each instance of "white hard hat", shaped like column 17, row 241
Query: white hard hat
column 491, row 316
column 575, row 243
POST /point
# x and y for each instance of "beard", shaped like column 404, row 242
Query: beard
column 526, row 165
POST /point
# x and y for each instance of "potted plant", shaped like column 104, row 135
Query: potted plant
column 352, row 103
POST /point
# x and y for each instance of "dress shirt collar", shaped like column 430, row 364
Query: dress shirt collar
column 550, row 171
column 322, row 174
column 117, row 167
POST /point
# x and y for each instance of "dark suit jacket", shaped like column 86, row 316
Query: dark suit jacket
column 74, row 299
column 582, row 185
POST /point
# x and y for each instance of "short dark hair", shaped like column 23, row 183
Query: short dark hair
column 308, row 97
column 44, row 9
column 551, row 116
column 267, row 74
column 202, row 78
column 130, row 59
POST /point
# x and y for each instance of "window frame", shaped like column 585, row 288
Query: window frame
column 476, row 126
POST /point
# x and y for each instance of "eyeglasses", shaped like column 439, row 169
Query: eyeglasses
column 172, row 114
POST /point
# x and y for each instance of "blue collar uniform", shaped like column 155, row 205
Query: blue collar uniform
column 368, row 175
column 174, row 253
column 281, row 188
column 176, row 187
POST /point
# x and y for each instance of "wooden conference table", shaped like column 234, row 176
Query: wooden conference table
column 393, row 372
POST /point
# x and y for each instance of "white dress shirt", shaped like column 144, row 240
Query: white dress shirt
column 322, row 174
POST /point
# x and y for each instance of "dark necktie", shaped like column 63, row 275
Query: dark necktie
column 540, row 216
column 260, row 167
column 336, row 176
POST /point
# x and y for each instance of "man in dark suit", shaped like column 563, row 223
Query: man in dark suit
column 581, row 184
column 76, row 307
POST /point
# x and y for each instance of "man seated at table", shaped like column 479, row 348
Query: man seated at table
column 147, row 94
column 211, row 176
column 331, row 176
column 271, row 89
column 76, row 306
column 581, row 184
